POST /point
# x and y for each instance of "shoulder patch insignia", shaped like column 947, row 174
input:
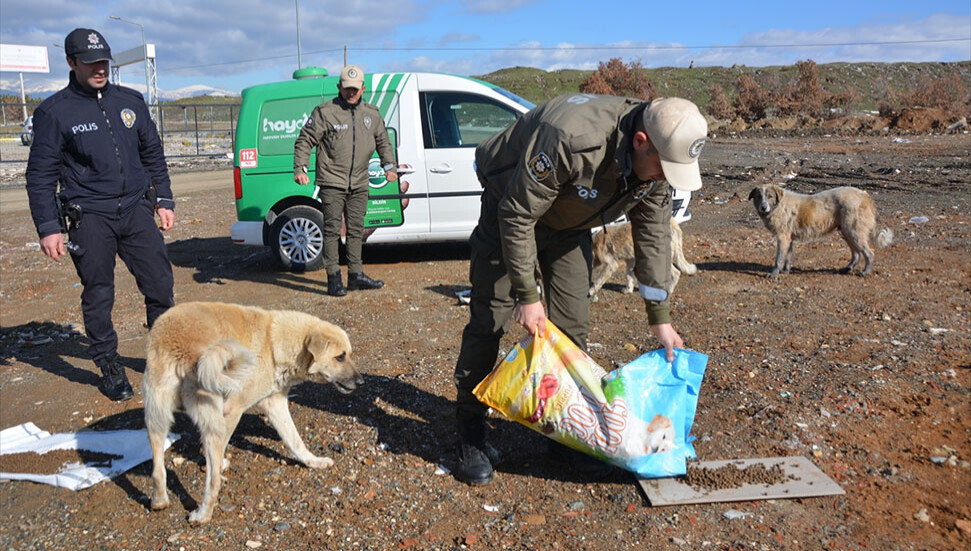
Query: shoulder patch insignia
column 540, row 167
column 128, row 117
column 367, row 121
column 309, row 122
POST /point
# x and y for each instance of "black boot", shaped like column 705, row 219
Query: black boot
column 335, row 285
column 114, row 382
column 474, row 466
column 359, row 281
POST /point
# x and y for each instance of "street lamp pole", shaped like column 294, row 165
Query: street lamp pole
column 148, row 85
column 297, row 7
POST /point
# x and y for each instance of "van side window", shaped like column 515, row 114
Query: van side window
column 460, row 119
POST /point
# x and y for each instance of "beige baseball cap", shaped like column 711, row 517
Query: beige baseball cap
column 678, row 131
column 352, row 76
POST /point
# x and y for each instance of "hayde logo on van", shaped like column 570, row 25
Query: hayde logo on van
column 288, row 127
column 375, row 174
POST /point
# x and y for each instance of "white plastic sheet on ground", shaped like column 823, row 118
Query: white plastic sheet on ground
column 132, row 445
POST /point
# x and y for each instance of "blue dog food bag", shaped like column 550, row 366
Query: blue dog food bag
column 638, row 417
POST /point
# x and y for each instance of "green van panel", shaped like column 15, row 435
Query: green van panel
column 270, row 120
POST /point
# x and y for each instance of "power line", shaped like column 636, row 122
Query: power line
column 712, row 47
column 583, row 48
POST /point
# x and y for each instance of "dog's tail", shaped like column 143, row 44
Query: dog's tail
column 223, row 367
column 885, row 237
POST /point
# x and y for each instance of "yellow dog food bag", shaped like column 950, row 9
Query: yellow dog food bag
column 637, row 417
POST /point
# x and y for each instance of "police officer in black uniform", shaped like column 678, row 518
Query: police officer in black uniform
column 97, row 168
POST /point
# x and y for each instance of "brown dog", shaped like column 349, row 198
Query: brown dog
column 614, row 246
column 792, row 217
column 217, row 360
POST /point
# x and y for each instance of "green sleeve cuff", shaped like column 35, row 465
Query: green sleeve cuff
column 525, row 289
column 657, row 313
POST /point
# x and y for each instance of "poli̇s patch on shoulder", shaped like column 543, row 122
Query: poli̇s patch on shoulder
column 540, row 167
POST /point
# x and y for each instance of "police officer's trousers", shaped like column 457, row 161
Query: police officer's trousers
column 135, row 237
column 352, row 204
column 564, row 262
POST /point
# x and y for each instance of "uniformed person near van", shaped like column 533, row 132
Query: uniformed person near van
column 345, row 131
column 576, row 162
column 97, row 140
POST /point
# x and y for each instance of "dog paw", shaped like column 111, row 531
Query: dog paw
column 690, row 269
column 160, row 503
column 594, row 298
column 319, row 462
column 199, row 516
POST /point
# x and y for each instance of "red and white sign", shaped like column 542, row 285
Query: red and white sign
column 17, row 58
column 247, row 158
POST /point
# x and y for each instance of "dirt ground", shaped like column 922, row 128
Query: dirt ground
column 867, row 377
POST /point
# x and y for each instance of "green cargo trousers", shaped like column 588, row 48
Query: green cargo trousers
column 352, row 204
column 564, row 263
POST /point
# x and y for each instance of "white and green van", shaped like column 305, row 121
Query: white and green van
column 434, row 122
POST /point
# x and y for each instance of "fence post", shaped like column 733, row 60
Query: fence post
column 161, row 124
column 195, row 113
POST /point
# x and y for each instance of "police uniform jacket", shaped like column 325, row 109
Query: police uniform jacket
column 345, row 136
column 565, row 165
column 104, row 150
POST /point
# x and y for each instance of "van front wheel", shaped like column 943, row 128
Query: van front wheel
column 298, row 239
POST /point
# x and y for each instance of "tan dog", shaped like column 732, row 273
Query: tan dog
column 792, row 217
column 614, row 247
column 217, row 360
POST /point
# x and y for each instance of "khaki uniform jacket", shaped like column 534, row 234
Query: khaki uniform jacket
column 345, row 137
column 565, row 165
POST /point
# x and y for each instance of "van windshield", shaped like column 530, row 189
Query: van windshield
column 521, row 101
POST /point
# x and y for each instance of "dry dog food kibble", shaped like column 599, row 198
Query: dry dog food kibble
column 52, row 461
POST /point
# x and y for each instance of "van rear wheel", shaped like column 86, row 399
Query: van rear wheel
column 297, row 239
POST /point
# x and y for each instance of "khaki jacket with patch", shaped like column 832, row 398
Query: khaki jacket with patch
column 345, row 137
column 565, row 165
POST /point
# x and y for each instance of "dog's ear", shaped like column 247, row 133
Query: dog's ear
column 318, row 345
column 324, row 349
column 754, row 194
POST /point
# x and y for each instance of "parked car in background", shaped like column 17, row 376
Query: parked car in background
column 27, row 132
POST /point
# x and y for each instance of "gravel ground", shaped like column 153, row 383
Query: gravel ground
column 867, row 377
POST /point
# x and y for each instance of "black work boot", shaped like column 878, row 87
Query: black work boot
column 474, row 466
column 335, row 285
column 359, row 281
column 114, row 382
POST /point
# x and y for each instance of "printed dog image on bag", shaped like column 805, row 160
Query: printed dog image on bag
column 637, row 417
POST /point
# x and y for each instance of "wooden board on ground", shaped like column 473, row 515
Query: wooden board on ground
column 802, row 479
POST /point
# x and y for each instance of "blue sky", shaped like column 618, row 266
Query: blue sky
column 232, row 44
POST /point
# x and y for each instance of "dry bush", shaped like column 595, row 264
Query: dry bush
column 751, row 100
column 809, row 93
column 804, row 96
column 595, row 84
column 719, row 106
column 950, row 93
column 617, row 79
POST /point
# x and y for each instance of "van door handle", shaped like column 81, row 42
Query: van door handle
column 443, row 168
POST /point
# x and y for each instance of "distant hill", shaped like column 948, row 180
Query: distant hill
column 869, row 83
column 195, row 91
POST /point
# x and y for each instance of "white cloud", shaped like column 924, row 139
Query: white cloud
column 496, row 6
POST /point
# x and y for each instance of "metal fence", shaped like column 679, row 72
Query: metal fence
column 187, row 130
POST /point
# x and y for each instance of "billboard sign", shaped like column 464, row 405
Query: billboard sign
column 17, row 58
